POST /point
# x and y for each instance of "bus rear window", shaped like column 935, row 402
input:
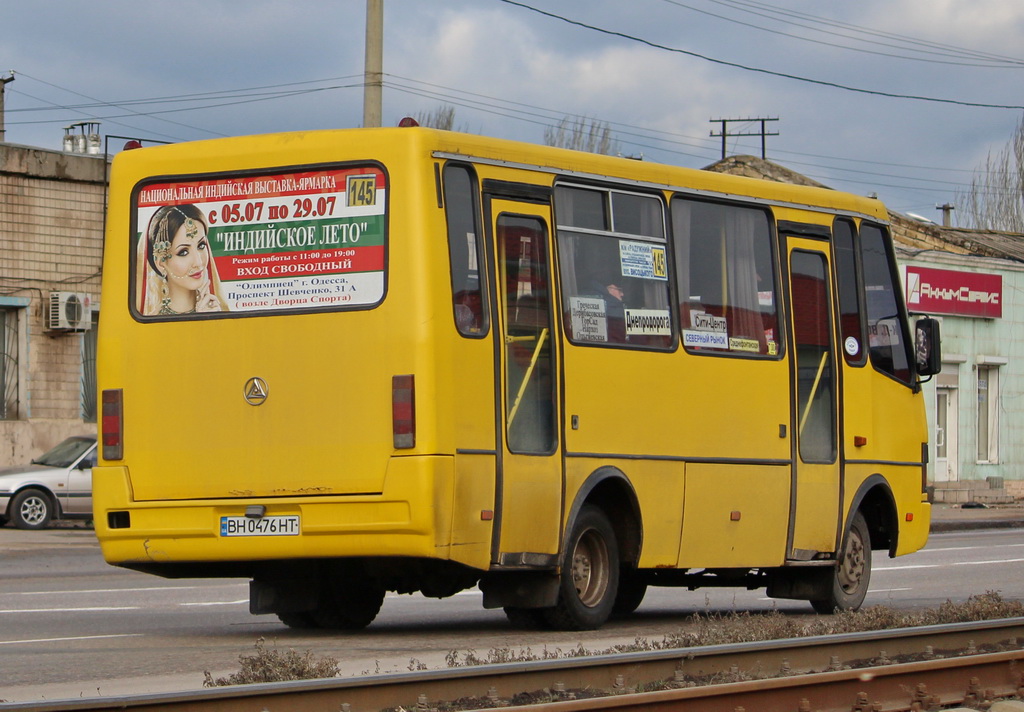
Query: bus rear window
column 308, row 239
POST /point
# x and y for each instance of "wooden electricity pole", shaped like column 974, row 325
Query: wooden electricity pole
column 373, row 68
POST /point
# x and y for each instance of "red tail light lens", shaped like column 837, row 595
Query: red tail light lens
column 113, row 424
column 403, row 411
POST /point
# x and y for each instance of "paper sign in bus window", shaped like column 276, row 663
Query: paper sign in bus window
column 702, row 321
column 589, row 319
column 643, row 260
column 648, row 322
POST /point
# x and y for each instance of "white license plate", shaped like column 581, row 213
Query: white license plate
column 264, row 526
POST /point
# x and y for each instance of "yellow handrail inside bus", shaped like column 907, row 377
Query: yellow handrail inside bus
column 814, row 390
column 529, row 370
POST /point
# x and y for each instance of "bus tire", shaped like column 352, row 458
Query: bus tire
column 302, row 620
column 852, row 574
column 31, row 509
column 525, row 618
column 630, row 594
column 350, row 607
column 590, row 574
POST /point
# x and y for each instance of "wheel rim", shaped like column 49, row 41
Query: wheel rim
column 33, row 510
column 851, row 569
column 590, row 568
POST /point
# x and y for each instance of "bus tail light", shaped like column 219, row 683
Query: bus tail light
column 113, row 424
column 403, row 411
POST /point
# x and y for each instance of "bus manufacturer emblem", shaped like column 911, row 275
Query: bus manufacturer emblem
column 256, row 391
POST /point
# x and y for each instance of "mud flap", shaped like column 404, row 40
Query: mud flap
column 802, row 583
column 520, row 589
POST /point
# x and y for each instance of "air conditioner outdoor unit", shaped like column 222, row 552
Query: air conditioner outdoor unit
column 70, row 311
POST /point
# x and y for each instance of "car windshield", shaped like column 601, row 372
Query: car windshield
column 66, row 453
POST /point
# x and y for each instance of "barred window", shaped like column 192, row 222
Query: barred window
column 9, row 366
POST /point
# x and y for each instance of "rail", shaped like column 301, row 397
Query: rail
column 836, row 672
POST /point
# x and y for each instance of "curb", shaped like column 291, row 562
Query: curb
column 962, row 525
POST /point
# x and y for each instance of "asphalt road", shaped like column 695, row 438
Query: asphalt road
column 71, row 626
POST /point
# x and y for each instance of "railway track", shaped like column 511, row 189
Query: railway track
column 911, row 668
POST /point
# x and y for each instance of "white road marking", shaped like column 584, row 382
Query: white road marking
column 64, row 640
column 942, row 566
column 70, row 610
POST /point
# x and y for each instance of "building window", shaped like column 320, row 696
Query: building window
column 988, row 413
column 9, row 359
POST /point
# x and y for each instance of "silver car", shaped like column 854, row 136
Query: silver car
column 57, row 485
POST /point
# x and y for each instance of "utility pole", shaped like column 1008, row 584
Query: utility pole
column 373, row 69
column 3, row 84
column 725, row 132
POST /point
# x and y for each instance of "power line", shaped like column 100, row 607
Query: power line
column 760, row 9
column 759, row 70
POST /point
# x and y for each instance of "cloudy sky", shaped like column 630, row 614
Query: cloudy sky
column 839, row 76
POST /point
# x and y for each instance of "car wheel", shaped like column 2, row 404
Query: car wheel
column 31, row 509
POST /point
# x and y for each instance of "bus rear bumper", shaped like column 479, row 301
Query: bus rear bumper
column 410, row 518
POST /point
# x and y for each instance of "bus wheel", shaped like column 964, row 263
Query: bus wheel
column 631, row 593
column 590, row 574
column 302, row 620
column 851, row 576
column 525, row 618
column 348, row 605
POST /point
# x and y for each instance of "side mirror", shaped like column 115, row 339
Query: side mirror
column 927, row 347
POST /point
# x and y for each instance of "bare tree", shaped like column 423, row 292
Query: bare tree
column 443, row 117
column 995, row 200
column 582, row 133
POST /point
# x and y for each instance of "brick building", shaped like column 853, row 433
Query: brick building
column 51, row 234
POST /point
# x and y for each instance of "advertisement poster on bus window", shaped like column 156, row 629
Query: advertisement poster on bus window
column 301, row 240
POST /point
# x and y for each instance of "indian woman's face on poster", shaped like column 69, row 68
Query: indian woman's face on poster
column 187, row 261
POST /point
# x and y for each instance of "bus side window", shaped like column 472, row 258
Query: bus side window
column 888, row 342
column 462, row 215
column 851, row 325
column 726, row 278
column 614, row 267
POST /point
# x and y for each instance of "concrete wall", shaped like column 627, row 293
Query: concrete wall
column 51, row 231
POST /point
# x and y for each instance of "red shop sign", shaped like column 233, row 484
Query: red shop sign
column 944, row 291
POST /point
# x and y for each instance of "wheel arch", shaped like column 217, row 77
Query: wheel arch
column 42, row 489
column 610, row 489
column 875, row 501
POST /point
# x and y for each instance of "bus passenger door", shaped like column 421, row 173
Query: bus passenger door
column 815, row 498
column 528, row 497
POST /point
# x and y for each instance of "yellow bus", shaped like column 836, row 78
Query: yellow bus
column 349, row 362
